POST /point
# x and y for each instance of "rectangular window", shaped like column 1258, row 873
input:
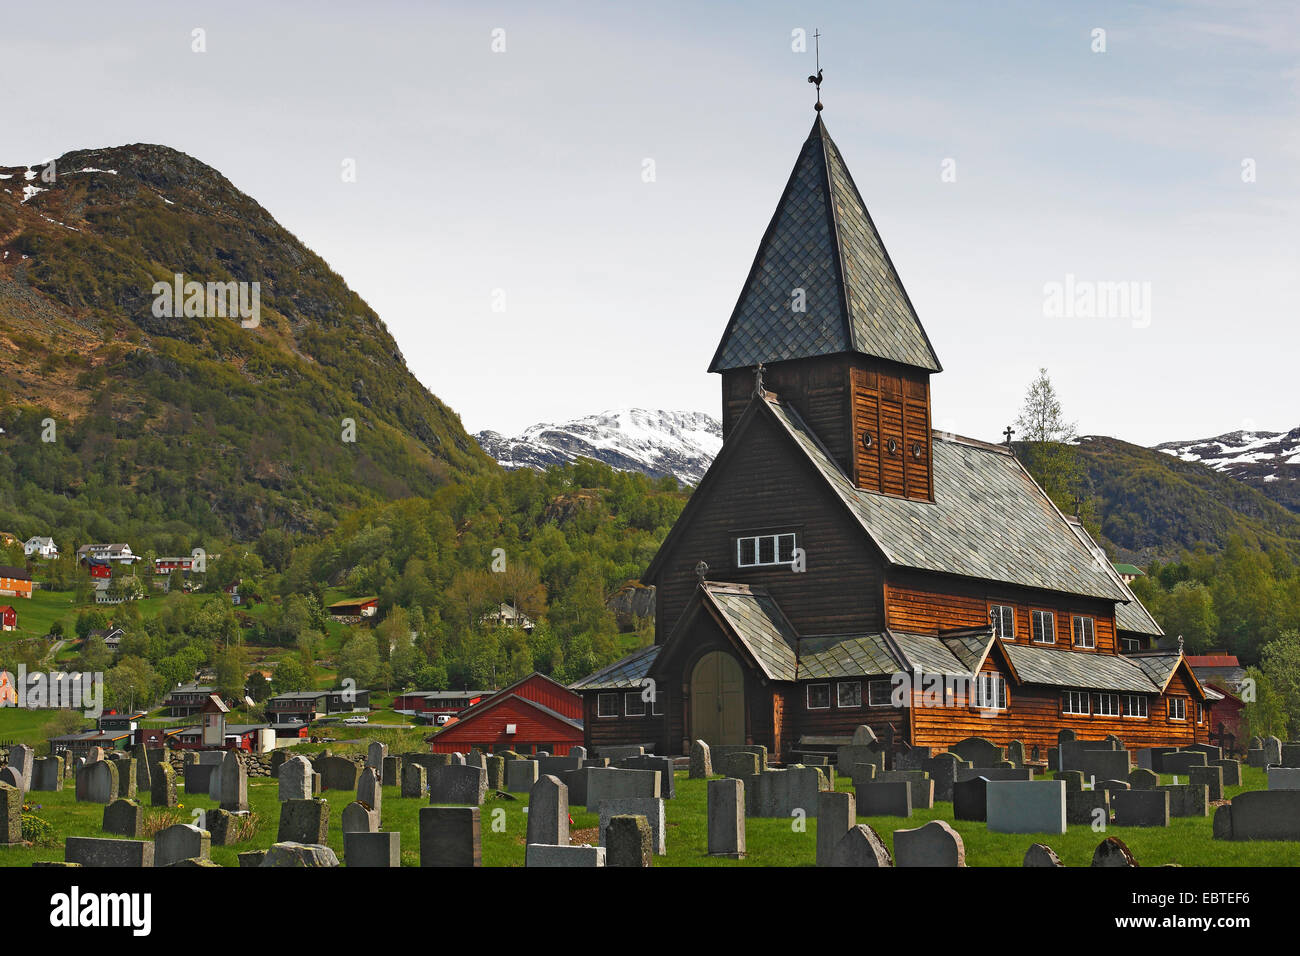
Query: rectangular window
column 880, row 693
column 765, row 550
column 848, row 693
column 1129, row 644
column 1107, row 705
column 1074, row 702
column 1085, row 631
column 607, row 705
column 1135, row 705
column 991, row 692
column 1044, row 626
column 1200, row 714
column 657, row 705
column 1003, row 619
column 1177, row 708
column 635, row 706
column 819, row 696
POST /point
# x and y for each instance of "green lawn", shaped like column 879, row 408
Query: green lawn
column 39, row 613
column 771, row 842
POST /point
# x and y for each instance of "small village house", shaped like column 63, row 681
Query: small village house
column 15, row 582
column 431, row 704
column 533, row 714
column 354, row 608
column 40, row 548
column 8, row 618
column 120, row 553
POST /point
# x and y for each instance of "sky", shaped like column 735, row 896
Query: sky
column 555, row 205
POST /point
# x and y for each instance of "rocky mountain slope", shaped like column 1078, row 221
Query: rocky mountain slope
column 1267, row 461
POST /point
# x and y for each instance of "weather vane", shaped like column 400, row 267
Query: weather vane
column 816, row 78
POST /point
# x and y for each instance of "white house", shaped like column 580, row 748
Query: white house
column 106, row 552
column 41, row 547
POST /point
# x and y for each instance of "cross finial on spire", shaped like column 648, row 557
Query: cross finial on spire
column 816, row 78
column 701, row 570
column 1008, row 432
column 1180, row 643
column 759, row 390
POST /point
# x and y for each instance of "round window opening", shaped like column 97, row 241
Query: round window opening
column 867, row 440
column 916, row 451
column 892, row 446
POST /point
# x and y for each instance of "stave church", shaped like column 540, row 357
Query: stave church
column 841, row 563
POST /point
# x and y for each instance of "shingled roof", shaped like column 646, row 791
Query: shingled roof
column 821, row 239
column 627, row 672
column 756, row 619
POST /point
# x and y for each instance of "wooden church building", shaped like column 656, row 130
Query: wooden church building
column 841, row 563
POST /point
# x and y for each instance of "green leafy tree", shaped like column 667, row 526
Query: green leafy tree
column 290, row 676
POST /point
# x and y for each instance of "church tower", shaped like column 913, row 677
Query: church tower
column 825, row 314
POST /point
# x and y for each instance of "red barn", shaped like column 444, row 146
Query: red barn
column 532, row 714
column 8, row 618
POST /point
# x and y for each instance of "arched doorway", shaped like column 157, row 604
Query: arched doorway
column 718, row 699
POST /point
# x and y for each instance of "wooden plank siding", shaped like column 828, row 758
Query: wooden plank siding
column 768, row 488
column 891, row 403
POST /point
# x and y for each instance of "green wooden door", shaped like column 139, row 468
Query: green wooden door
column 718, row 699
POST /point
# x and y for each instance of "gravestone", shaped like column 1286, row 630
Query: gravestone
column 415, row 780
column 1188, row 800
column 1016, row 752
column 920, row 782
column 456, row 759
column 978, row 751
column 496, row 772
column 1101, row 764
column 726, row 811
column 1182, row 761
column 575, row 781
column 277, row 761
column 1231, row 771
column 557, row 766
column 628, row 841
column 12, row 778
column 548, row 813
column 391, row 775
column 862, row 846
column 97, row 782
column 884, row 800
column 372, row 849
column 214, row 779
column 1025, row 806
column 234, row 784
column 184, row 841
column 427, row 761
column 1211, row 777
column 836, row 813
column 1291, row 755
column 1113, row 852
column 295, row 781
column 540, row 854
column 223, row 826
column 1256, row 743
column 935, row 844
column 11, row 815
column 1139, row 779
column 1283, row 778
column 125, row 818
column 1040, row 854
column 1272, row 751
column 1083, row 806
column 1259, row 815
column 521, row 775
column 304, row 821
column 942, row 769
column 458, row 784
column 970, row 799
column 1140, row 808
column 125, row 777
column 863, row 773
column 579, row 752
column 722, row 751
column 1063, row 735
column 740, row 765
column 701, row 761
column 1073, row 779
column 162, row 792
column 358, row 818
column 108, row 852
column 23, row 759
column 338, row 773
column 782, row 793
column 370, row 792
column 667, row 788
column 476, row 758
column 910, row 758
column 375, row 755
column 450, row 836
column 1212, row 753
column 299, row 855
column 47, row 774
column 605, row 783
column 1255, row 757
column 198, row 778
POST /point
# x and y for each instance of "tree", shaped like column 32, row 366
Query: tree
column 1263, row 715
column 232, row 668
column 1280, row 665
column 359, row 660
column 1189, row 610
column 1041, row 418
column 290, row 676
column 1045, row 444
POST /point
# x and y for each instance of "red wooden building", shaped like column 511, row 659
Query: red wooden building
column 532, row 714
column 8, row 618
column 841, row 563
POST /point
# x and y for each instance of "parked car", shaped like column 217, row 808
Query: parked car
column 442, row 719
column 356, row 720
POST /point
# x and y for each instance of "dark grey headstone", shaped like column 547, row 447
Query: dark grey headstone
column 726, row 810
column 885, row 800
column 125, row 818
column 450, row 836
column 304, row 821
column 1140, row 808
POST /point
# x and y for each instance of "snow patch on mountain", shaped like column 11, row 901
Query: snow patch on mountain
column 654, row 442
column 1268, row 460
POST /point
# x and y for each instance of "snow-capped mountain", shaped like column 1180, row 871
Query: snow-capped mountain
column 1268, row 461
column 656, row 443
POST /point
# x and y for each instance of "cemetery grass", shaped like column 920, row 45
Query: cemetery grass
column 771, row 842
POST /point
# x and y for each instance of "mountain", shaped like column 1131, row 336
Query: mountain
column 1267, row 461
column 657, row 443
column 170, row 417
column 1152, row 504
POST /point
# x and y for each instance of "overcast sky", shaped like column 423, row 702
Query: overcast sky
column 516, row 178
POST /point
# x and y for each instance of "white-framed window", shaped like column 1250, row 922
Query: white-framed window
column 633, row 704
column 1107, row 705
column 848, row 693
column 1200, row 714
column 1044, row 626
column 880, row 693
column 1003, row 619
column 607, row 705
column 1177, row 708
column 764, row 549
column 1135, row 705
column 657, row 705
column 1085, row 631
column 991, row 692
column 819, row 696
column 1075, row 702
column 1129, row 644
